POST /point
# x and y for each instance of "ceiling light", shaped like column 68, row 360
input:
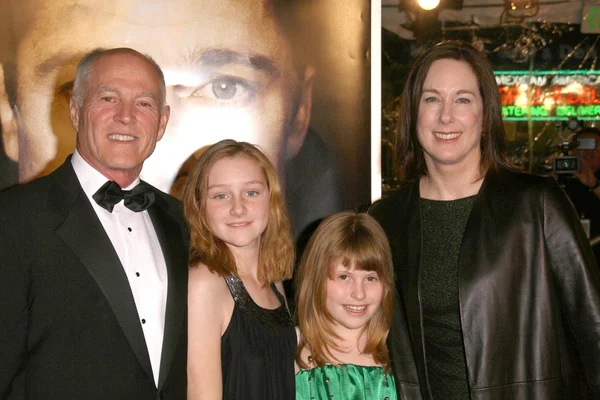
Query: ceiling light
column 428, row 4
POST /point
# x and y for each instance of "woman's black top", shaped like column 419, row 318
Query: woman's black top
column 443, row 224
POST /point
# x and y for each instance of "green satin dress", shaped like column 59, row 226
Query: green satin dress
column 345, row 382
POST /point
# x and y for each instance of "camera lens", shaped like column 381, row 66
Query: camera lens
column 566, row 164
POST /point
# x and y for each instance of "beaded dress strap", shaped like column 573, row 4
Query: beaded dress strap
column 276, row 318
column 277, row 294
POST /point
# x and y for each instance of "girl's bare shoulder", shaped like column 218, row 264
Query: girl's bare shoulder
column 201, row 279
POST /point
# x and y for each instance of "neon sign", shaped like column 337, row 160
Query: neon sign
column 590, row 21
column 549, row 95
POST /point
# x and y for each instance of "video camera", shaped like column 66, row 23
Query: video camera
column 566, row 163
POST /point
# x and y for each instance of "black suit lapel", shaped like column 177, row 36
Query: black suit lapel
column 400, row 216
column 169, row 234
column 82, row 231
column 412, row 216
column 412, row 278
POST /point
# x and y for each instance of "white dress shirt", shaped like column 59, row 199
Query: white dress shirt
column 134, row 239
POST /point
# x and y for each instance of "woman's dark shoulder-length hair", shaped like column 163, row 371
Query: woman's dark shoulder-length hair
column 409, row 151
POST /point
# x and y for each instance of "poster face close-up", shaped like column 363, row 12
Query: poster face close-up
column 291, row 77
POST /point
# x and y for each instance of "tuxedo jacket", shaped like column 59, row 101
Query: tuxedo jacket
column 69, row 328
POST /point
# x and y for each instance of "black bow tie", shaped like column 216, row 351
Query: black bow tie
column 137, row 199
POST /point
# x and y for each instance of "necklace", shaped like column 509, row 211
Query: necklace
column 328, row 390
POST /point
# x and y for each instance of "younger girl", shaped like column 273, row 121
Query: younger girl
column 241, row 340
column 344, row 307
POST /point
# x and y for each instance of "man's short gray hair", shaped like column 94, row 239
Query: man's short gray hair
column 84, row 71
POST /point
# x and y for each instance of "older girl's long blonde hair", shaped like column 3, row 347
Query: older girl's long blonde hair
column 276, row 254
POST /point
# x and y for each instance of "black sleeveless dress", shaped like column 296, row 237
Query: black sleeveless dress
column 257, row 349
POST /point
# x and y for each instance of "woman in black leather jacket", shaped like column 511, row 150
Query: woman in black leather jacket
column 499, row 293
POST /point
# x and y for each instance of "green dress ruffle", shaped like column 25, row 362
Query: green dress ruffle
column 345, row 382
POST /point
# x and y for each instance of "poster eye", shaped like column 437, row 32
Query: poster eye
column 66, row 90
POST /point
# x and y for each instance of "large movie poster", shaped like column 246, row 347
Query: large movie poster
column 290, row 76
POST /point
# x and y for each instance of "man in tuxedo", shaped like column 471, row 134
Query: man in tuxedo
column 93, row 261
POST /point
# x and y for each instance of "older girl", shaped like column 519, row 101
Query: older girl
column 241, row 337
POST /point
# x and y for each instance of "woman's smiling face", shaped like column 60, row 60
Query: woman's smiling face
column 450, row 114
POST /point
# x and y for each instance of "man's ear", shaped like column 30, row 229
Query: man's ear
column 74, row 114
column 301, row 120
column 8, row 122
column 162, row 123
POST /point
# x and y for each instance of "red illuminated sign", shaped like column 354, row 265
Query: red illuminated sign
column 549, row 95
